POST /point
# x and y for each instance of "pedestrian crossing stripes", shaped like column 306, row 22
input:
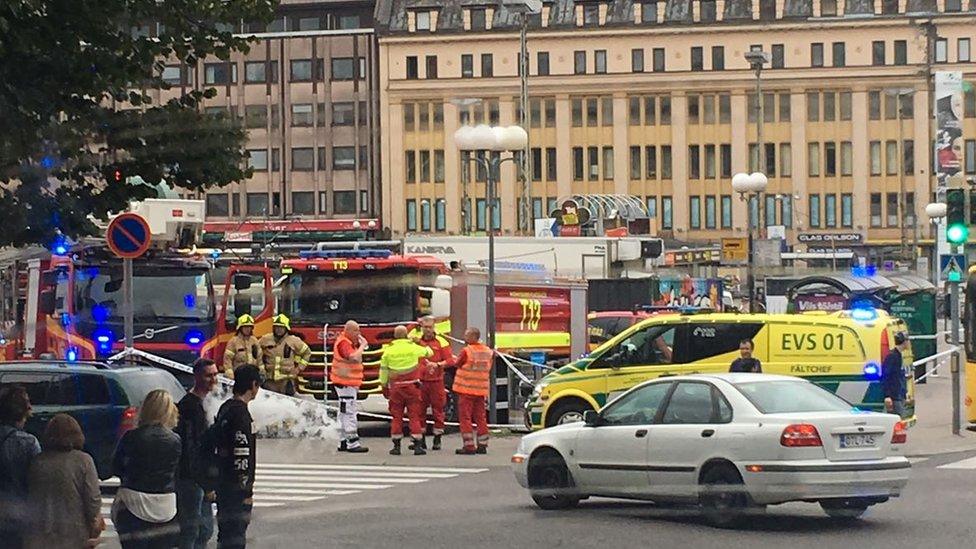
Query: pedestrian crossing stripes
column 961, row 464
column 281, row 484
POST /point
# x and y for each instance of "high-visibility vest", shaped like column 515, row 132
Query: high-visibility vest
column 342, row 372
column 473, row 377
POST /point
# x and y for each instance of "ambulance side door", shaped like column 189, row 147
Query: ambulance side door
column 650, row 352
column 712, row 346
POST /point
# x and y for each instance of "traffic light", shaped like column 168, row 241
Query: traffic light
column 957, row 231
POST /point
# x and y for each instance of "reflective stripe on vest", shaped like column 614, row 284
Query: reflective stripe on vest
column 345, row 373
column 474, row 376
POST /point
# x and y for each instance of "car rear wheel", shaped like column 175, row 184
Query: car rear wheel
column 846, row 509
column 722, row 496
column 550, row 484
column 566, row 411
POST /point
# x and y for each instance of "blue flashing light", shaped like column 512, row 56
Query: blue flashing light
column 99, row 313
column 190, row 301
column 193, row 338
column 872, row 370
column 65, row 319
column 71, row 355
column 104, row 339
column 864, row 314
column 48, row 162
column 215, row 255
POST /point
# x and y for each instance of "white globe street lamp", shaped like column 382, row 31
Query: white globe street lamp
column 749, row 186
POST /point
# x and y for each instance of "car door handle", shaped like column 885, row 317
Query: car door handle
column 707, row 433
column 641, row 433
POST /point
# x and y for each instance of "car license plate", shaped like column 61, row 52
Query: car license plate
column 857, row 441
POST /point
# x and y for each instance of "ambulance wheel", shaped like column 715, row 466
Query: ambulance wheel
column 566, row 410
column 550, row 483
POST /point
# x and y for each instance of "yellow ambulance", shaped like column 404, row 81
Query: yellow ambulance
column 840, row 351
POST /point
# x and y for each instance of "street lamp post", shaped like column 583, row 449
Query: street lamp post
column 751, row 186
column 757, row 59
column 897, row 94
column 936, row 212
column 485, row 138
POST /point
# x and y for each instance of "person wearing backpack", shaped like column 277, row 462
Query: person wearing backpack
column 236, row 458
column 18, row 449
column 194, row 495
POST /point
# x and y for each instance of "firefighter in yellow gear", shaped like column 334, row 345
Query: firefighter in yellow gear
column 243, row 348
column 284, row 356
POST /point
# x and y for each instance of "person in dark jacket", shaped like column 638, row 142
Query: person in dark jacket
column 146, row 461
column 17, row 449
column 746, row 362
column 236, row 450
column 194, row 497
column 893, row 377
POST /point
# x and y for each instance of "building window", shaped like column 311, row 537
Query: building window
column 478, row 19
column 829, row 106
column 817, row 54
column 840, row 54
column 607, row 163
column 591, row 14
column 480, row 213
column 637, row 60
column 302, row 159
column 813, row 107
column 174, row 75
column 667, row 213
column 648, row 12
column 256, row 72
column 830, row 211
column 439, row 166
column 725, row 160
column 467, row 65
column 542, row 63
column 579, row 62
column 814, row 211
column 875, row 209
column 710, row 212
column 909, row 212
column 874, row 105
column 694, row 162
column 344, row 68
column 600, row 61
column 275, row 159
column 550, row 163
column 706, row 11
column 971, row 156
column 784, row 107
column 875, row 151
column 779, row 56
column 303, row 203
column 431, row 67
column 969, row 99
column 487, row 65
column 650, row 203
column 411, row 215
column 577, row 110
column 941, row 50
column 301, row 115
column 813, row 159
column 658, row 60
column 422, row 20
column 889, row 7
column 255, row 116
column 440, row 215
column 726, row 211
column 878, row 52
column 891, row 204
column 257, row 204
column 710, row 162
column 963, row 50
column 697, row 59
column 635, row 163
column 953, row 5
column 593, row 163
column 694, row 107
column 577, row 163
column 767, row 10
column 694, row 212
column 786, row 210
column 650, row 162
column 828, row 8
column 846, row 210
column 425, row 215
column 718, row 58
column 753, row 212
column 770, row 210
column 301, row 70
column 665, row 161
column 424, row 157
column 258, row 159
column 343, row 158
column 846, row 158
column 891, row 157
column 901, row 52
column 413, row 71
column 908, row 156
column 785, row 160
column 410, row 166
column 217, row 205
column 830, row 159
column 845, row 106
column 220, row 73
column 343, row 202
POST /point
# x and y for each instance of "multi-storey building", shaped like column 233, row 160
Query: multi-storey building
column 306, row 92
column 657, row 100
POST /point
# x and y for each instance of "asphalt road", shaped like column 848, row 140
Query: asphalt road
column 488, row 509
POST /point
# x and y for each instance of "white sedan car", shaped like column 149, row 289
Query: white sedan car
column 726, row 442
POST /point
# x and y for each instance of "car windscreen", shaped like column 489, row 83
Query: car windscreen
column 789, row 396
column 139, row 383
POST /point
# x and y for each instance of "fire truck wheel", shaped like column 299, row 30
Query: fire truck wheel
column 567, row 410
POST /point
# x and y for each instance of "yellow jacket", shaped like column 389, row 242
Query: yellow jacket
column 401, row 357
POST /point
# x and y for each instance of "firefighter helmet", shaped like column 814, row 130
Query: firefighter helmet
column 245, row 320
column 281, row 320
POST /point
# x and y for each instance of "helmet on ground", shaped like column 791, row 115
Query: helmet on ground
column 245, row 320
column 281, row 320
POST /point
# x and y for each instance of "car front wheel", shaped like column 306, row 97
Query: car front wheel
column 550, row 484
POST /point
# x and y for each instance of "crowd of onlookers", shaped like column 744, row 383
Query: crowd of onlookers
column 172, row 467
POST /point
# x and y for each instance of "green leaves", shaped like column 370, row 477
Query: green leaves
column 75, row 107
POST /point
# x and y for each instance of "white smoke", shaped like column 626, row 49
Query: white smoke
column 280, row 416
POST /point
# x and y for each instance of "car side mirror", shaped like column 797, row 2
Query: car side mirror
column 592, row 418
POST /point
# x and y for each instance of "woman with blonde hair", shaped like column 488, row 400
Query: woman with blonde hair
column 63, row 495
column 146, row 459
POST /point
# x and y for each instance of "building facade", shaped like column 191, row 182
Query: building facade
column 656, row 100
column 306, row 93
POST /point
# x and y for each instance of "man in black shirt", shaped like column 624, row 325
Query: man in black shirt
column 194, row 496
column 893, row 377
column 746, row 362
column 236, row 448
